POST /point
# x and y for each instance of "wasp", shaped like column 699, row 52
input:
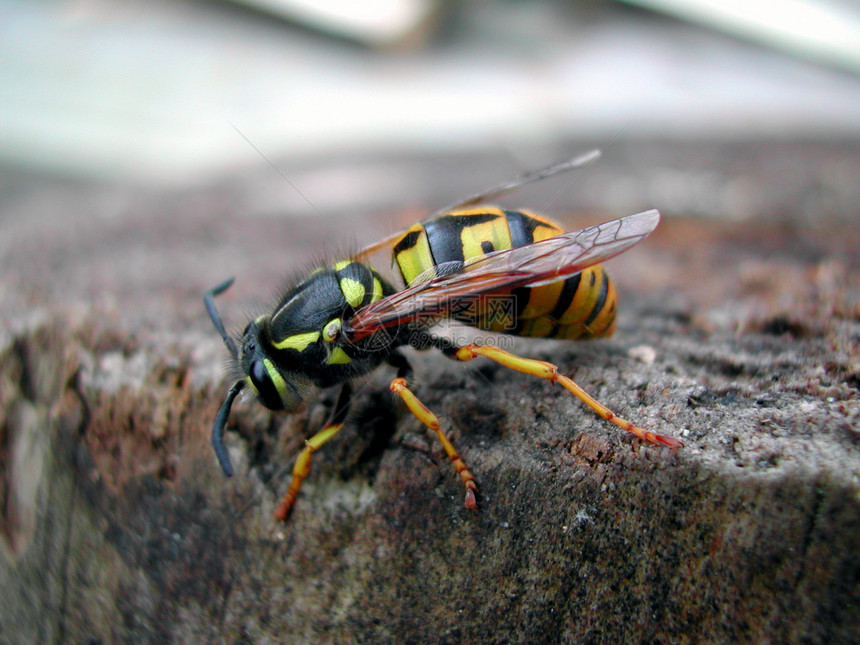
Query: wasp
column 344, row 319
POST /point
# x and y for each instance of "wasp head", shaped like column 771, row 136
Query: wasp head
column 276, row 387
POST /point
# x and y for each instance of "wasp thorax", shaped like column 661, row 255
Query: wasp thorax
column 275, row 387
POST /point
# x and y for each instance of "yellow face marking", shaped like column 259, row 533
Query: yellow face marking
column 331, row 330
column 277, row 379
column 338, row 357
column 298, row 342
column 340, row 266
column 353, row 291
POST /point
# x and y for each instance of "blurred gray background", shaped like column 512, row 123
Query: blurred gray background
column 182, row 93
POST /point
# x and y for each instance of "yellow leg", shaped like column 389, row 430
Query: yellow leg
column 425, row 416
column 548, row 371
column 303, row 467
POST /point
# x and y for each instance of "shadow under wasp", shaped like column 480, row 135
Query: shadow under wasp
column 344, row 319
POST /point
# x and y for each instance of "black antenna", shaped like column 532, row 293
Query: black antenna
column 209, row 301
column 221, row 425
column 224, row 413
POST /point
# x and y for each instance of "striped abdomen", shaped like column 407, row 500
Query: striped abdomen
column 582, row 306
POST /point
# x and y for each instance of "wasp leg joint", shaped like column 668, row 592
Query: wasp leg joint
column 303, row 467
column 549, row 372
column 426, row 416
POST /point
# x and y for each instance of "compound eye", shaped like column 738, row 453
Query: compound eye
column 264, row 385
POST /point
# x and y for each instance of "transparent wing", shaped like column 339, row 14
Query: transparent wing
column 492, row 193
column 514, row 184
column 533, row 265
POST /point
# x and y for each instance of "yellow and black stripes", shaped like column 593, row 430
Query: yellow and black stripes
column 455, row 237
column 466, row 233
column 582, row 306
column 527, row 228
column 412, row 254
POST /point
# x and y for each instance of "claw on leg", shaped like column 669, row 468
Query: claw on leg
column 302, row 467
column 426, row 416
column 549, row 372
column 303, row 462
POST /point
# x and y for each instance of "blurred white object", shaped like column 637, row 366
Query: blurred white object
column 156, row 91
column 824, row 31
column 378, row 23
